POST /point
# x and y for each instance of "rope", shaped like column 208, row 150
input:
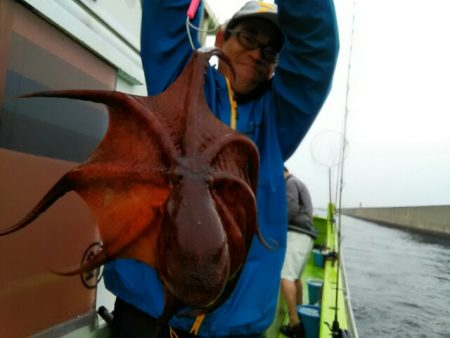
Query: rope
column 233, row 105
column 197, row 323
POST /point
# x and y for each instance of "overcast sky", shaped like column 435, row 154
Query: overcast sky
column 398, row 128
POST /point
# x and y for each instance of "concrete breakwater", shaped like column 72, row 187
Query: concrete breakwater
column 425, row 218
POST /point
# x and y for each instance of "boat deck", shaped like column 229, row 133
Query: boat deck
column 331, row 278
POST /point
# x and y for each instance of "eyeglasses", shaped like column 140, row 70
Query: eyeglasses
column 248, row 41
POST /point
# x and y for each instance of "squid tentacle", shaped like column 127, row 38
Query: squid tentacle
column 64, row 185
column 215, row 148
column 95, row 262
column 116, row 99
column 218, row 176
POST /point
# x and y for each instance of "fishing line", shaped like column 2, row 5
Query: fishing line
column 190, row 25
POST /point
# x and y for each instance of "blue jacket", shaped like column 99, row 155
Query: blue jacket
column 276, row 121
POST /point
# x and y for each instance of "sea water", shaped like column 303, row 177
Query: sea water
column 399, row 280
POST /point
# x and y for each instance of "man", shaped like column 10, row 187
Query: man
column 300, row 44
column 301, row 233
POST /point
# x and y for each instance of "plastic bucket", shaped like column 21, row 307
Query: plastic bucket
column 315, row 290
column 310, row 317
column 319, row 258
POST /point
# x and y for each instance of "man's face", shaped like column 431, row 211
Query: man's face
column 251, row 65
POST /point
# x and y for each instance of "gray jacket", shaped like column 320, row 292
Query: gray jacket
column 300, row 209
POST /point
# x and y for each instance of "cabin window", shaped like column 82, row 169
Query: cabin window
column 36, row 56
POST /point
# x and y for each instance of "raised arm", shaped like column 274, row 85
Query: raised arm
column 304, row 74
column 165, row 47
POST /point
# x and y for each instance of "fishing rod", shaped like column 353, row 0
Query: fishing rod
column 336, row 331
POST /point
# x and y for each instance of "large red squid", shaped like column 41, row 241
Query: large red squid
column 169, row 185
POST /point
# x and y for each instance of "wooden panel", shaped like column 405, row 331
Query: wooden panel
column 34, row 56
column 31, row 297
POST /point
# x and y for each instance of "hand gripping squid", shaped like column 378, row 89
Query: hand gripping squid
column 169, row 185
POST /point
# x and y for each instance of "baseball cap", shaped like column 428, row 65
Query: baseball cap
column 256, row 9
